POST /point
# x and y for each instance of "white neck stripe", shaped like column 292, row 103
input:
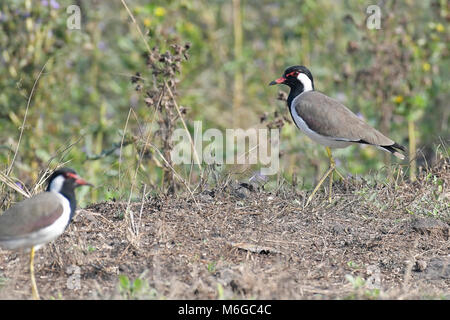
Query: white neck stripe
column 57, row 184
column 307, row 83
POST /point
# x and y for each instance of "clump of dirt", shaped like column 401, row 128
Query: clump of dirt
column 372, row 241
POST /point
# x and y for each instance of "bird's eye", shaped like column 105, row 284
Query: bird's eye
column 70, row 175
column 292, row 74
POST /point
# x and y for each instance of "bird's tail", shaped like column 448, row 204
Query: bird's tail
column 394, row 149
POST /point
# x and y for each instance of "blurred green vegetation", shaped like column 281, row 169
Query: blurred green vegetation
column 395, row 77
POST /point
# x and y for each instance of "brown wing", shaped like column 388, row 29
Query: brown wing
column 30, row 215
column 332, row 119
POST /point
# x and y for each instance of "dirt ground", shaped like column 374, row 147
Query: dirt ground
column 374, row 241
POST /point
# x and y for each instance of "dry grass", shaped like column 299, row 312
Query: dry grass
column 374, row 241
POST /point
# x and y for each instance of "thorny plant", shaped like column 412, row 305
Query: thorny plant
column 159, row 92
column 158, row 89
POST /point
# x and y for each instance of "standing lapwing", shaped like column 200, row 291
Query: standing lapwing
column 327, row 121
column 42, row 218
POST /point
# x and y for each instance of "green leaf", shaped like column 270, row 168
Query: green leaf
column 137, row 285
column 124, row 282
column 419, row 101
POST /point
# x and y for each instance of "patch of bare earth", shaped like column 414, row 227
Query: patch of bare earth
column 373, row 241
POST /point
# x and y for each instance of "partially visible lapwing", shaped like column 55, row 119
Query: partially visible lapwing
column 327, row 121
column 42, row 218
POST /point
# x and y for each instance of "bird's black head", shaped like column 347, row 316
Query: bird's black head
column 64, row 181
column 296, row 77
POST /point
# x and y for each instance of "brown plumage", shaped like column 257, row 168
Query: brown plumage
column 330, row 118
column 326, row 120
column 42, row 218
column 30, row 215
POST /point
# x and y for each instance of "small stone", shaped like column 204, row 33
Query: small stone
column 420, row 266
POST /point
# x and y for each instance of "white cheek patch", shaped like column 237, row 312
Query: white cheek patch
column 307, row 84
column 57, row 184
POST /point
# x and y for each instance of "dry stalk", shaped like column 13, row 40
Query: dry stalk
column 25, row 118
column 186, row 129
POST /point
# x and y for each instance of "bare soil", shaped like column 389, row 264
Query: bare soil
column 374, row 241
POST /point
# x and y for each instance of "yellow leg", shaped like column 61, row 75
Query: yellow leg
column 331, row 185
column 34, row 289
column 328, row 173
column 332, row 165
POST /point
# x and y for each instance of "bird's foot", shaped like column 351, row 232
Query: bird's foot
column 321, row 181
column 34, row 290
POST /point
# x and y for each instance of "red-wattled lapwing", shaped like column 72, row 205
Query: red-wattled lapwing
column 42, row 218
column 327, row 121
